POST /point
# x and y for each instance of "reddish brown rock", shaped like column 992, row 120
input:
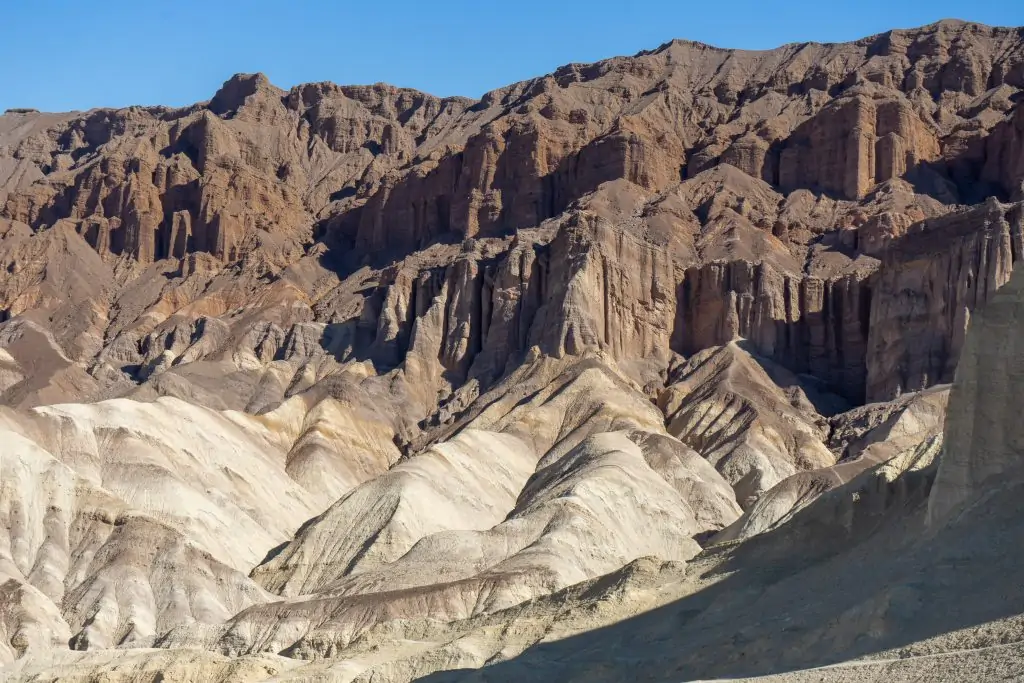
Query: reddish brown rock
column 637, row 207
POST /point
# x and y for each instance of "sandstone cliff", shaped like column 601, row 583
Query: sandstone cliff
column 805, row 170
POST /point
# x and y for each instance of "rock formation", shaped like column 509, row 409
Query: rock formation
column 360, row 384
column 983, row 449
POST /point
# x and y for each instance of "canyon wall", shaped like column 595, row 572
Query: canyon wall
column 813, row 200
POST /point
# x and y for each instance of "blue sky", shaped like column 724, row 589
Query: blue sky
column 57, row 55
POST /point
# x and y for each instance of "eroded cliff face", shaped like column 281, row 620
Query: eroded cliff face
column 219, row 177
column 839, row 210
column 926, row 289
column 809, row 324
column 389, row 169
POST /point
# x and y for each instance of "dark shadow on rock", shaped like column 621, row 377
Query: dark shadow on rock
column 843, row 580
column 819, row 341
column 817, row 391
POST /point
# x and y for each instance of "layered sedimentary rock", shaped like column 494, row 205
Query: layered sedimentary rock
column 744, row 247
column 909, row 438
column 131, row 518
column 812, row 325
column 157, row 183
column 724, row 404
column 855, row 143
column 403, row 384
column 929, row 283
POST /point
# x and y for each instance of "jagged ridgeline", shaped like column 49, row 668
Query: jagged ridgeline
column 701, row 193
column 357, row 374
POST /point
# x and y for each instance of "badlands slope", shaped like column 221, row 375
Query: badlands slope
column 141, row 535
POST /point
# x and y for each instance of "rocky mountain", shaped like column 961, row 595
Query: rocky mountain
column 356, row 383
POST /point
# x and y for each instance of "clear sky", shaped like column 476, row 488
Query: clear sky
column 58, row 55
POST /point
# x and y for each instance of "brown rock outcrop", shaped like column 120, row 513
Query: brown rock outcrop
column 253, row 160
column 855, row 143
column 806, row 323
column 926, row 288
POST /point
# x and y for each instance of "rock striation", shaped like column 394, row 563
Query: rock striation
column 803, row 171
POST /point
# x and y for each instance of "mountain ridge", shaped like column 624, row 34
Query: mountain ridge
column 949, row 22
